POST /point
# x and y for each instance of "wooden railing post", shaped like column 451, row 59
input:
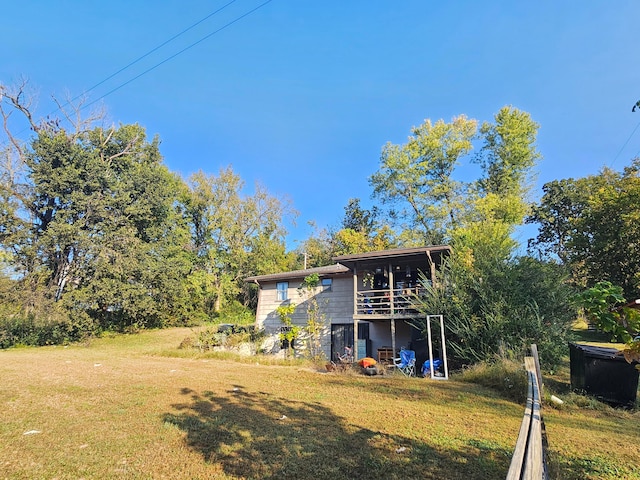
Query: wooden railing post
column 528, row 461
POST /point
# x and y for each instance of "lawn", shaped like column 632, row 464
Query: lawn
column 137, row 407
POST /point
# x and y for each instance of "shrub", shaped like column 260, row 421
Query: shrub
column 237, row 314
column 505, row 306
column 37, row 330
column 224, row 335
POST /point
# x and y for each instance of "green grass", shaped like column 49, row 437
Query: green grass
column 137, row 407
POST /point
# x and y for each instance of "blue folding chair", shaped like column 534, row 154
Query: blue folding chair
column 426, row 367
column 406, row 363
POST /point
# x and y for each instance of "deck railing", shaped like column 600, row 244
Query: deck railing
column 386, row 302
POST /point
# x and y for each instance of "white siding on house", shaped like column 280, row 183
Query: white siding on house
column 336, row 305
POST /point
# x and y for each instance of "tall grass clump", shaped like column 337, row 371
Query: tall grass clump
column 505, row 376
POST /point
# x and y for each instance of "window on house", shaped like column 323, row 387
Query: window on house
column 326, row 284
column 282, row 289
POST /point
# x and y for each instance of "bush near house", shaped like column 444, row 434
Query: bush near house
column 225, row 336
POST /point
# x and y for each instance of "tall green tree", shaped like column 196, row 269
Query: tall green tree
column 361, row 231
column 591, row 225
column 507, row 159
column 494, row 301
column 416, row 178
column 234, row 236
column 93, row 219
column 316, row 250
column 498, row 201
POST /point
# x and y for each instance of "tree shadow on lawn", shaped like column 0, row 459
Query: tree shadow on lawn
column 257, row 435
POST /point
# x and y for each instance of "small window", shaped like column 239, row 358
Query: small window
column 326, row 284
column 282, row 291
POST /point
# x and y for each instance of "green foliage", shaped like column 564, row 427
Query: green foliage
column 361, row 231
column 501, row 374
column 40, row 329
column 592, row 225
column 492, row 299
column 99, row 228
column 29, row 317
column 291, row 332
column 229, row 336
column 561, row 204
column 234, row 236
column 359, row 219
column 508, row 154
column 417, row 179
column 347, row 241
column 494, row 307
column 236, row 313
column 418, row 176
column 603, row 305
column 316, row 318
column 317, row 250
column 309, row 283
column 93, row 221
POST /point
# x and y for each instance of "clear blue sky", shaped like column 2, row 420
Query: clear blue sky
column 301, row 95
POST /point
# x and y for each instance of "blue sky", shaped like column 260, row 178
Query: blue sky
column 302, row 95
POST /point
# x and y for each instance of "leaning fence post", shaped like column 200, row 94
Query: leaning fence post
column 528, row 461
column 536, row 359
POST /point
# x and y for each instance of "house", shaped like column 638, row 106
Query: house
column 366, row 300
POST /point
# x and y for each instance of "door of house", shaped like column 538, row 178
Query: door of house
column 342, row 336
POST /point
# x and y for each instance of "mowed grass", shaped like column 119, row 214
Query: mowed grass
column 136, row 407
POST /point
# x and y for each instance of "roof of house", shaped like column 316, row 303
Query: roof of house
column 339, row 268
column 396, row 252
column 321, row 271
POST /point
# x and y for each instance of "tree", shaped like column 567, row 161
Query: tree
column 561, row 205
column 497, row 201
column 317, row 250
column 291, row 331
column 316, row 318
column 592, row 224
column 500, row 308
column 234, row 236
column 494, row 301
column 418, row 177
column 507, row 159
column 605, row 306
column 93, row 219
column 359, row 219
column 361, row 231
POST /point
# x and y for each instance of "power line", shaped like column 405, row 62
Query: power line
column 237, row 19
column 178, row 53
column 146, row 54
column 624, row 145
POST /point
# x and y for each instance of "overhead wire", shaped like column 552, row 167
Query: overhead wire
column 237, row 19
column 142, row 57
column 624, row 145
column 130, row 64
